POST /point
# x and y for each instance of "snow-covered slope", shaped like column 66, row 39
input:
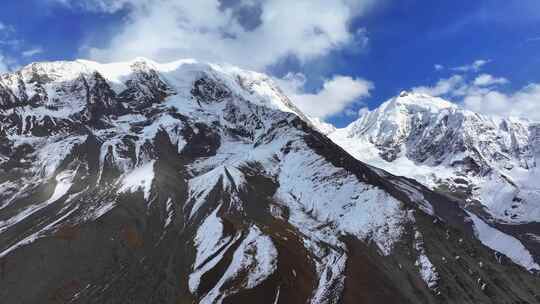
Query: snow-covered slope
column 190, row 182
column 480, row 159
column 488, row 164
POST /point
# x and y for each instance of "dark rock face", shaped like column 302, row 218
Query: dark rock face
column 535, row 142
column 7, row 99
column 101, row 99
column 145, row 87
column 206, row 89
column 152, row 193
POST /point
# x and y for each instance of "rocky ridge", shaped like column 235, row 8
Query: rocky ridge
column 190, row 182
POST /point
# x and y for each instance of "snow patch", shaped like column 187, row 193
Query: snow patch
column 200, row 187
column 35, row 236
column 503, row 243
column 254, row 260
column 170, row 212
column 211, row 245
column 427, row 270
column 332, row 278
column 139, row 178
column 63, row 184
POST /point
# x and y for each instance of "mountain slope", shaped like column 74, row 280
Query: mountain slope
column 197, row 183
column 489, row 165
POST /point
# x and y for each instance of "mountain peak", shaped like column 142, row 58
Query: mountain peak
column 48, row 80
column 421, row 101
column 430, row 139
column 392, row 120
column 189, row 179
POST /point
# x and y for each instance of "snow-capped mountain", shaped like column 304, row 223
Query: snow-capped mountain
column 190, row 182
column 488, row 164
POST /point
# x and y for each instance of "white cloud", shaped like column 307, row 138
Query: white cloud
column 438, row 67
column 457, row 85
column 485, row 80
column 334, row 97
column 482, row 95
column 475, row 66
column 209, row 30
column 106, row 6
column 363, row 111
column 32, row 52
column 453, row 85
column 524, row 103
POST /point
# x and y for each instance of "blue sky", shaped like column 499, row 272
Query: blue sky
column 368, row 53
column 408, row 38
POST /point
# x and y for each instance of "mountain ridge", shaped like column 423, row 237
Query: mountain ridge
column 445, row 135
column 198, row 183
column 488, row 164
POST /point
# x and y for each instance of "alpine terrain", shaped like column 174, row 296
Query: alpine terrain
column 189, row 182
column 489, row 165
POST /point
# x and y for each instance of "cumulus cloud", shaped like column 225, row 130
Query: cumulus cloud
column 102, row 6
column 457, row 85
column 475, row 66
column 453, row 85
column 334, row 97
column 482, row 94
column 524, row 103
column 249, row 33
column 488, row 80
